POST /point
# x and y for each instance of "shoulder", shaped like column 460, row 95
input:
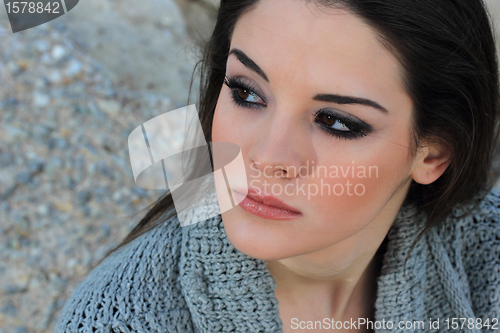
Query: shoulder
column 481, row 225
column 130, row 289
column 473, row 242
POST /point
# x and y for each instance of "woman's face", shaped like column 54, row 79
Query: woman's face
column 312, row 91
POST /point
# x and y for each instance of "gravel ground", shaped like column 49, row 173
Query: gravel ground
column 67, row 193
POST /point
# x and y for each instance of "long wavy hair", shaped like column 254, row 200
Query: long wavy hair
column 447, row 50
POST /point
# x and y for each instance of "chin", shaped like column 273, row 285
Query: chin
column 267, row 239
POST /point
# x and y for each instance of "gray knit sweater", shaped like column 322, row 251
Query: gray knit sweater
column 192, row 279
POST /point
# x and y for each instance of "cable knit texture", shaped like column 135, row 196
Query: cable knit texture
column 191, row 279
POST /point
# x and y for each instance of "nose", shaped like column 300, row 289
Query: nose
column 282, row 149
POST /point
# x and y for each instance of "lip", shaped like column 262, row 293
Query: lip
column 267, row 206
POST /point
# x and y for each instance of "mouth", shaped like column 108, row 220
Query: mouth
column 267, row 206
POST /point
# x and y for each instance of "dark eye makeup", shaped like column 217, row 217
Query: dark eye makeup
column 243, row 94
column 341, row 126
column 333, row 123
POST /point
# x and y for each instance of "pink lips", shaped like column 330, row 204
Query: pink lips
column 267, row 206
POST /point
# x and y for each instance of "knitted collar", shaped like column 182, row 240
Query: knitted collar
column 228, row 291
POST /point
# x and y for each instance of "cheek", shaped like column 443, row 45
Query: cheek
column 353, row 186
column 224, row 125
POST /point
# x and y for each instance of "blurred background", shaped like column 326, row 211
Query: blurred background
column 71, row 91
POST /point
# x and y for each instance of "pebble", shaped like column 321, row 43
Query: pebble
column 55, row 77
column 83, row 196
column 24, row 177
column 53, row 165
column 21, row 329
column 57, row 143
column 68, row 182
column 42, row 45
column 41, row 131
column 74, row 67
column 4, row 206
column 6, row 159
column 104, row 170
column 102, row 192
column 58, row 52
column 9, row 309
column 40, row 99
column 14, row 133
column 10, row 102
column 43, row 210
column 110, row 107
column 36, row 166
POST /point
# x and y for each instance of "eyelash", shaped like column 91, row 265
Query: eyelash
column 357, row 128
column 235, row 84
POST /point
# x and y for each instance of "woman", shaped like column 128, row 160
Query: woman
column 390, row 108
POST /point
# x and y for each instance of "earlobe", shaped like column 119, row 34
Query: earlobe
column 430, row 163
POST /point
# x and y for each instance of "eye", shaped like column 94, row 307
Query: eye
column 243, row 95
column 341, row 126
column 333, row 122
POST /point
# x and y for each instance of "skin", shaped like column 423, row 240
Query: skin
column 320, row 260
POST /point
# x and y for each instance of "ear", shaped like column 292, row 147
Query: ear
column 431, row 162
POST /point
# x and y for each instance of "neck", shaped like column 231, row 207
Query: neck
column 344, row 294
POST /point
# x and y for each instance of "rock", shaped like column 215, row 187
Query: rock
column 46, row 59
column 140, row 191
column 44, row 210
column 102, row 192
column 55, row 77
column 104, row 170
column 4, row 206
column 105, row 91
column 53, row 165
column 7, row 184
column 57, row 143
column 79, row 163
column 42, row 45
column 24, row 177
column 13, row 68
column 14, row 134
column 40, row 99
column 106, row 231
column 20, row 284
column 9, row 309
column 34, row 183
column 83, row 196
column 20, row 329
column 67, row 182
column 58, row 52
column 6, row 159
column 36, row 166
column 64, row 206
column 41, row 131
column 12, row 243
column 73, row 68
column 8, row 192
column 10, row 102
column 47, row 313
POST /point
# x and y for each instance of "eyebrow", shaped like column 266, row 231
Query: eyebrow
column 339, row 99
column 249, row 63
column 331, row 98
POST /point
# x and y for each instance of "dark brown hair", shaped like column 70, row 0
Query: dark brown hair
column 447, row 50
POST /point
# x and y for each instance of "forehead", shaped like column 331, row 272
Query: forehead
column 295, row 41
